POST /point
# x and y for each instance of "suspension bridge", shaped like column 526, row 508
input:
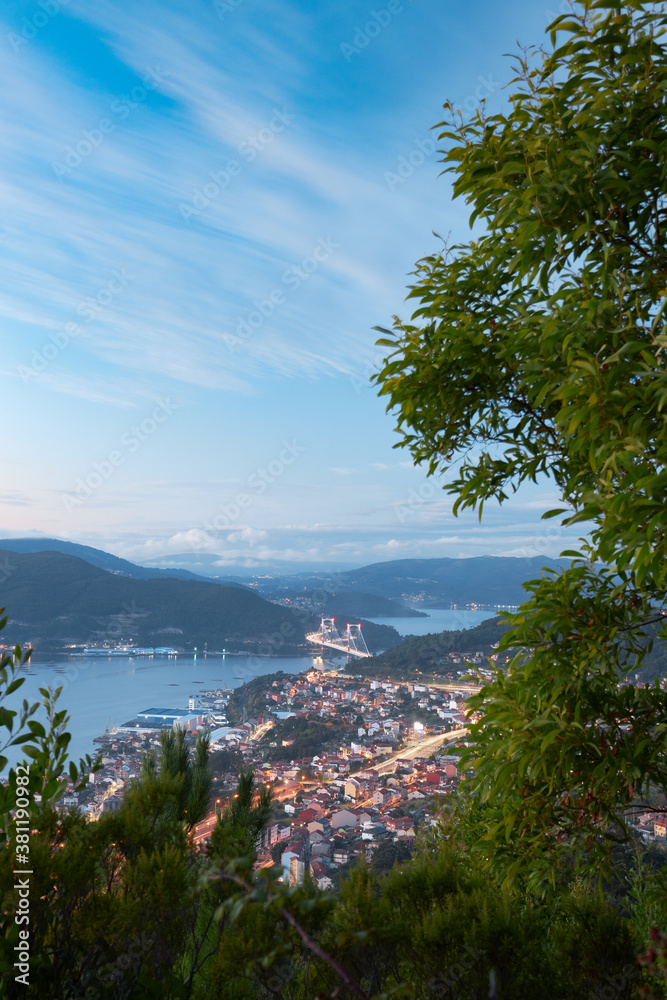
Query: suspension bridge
column 351, row 642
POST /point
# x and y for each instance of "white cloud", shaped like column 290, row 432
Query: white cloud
column 250, row 535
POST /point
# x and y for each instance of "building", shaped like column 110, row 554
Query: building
column 165, row 718
column 660, row 825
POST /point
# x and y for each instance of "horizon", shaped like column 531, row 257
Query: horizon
column 267, row 571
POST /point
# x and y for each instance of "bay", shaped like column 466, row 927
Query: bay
column 100, row 692
column 439, row 620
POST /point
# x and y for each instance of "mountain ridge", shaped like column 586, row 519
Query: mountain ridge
column 103, row 560
column 53, row 597
column 484, row 580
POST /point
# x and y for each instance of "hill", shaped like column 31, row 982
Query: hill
column 358, row 605
column 480, row 580
column 54, row 598
column 435, row 653
column 485, row 580
column 345, row 604
column 430, row 653
column 101, row 559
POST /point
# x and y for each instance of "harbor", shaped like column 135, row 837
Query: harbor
column 103, row 693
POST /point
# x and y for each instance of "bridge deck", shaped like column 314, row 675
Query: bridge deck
column 340, row 646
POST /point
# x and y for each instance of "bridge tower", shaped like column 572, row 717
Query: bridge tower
column 328, row 631
column 356, row 643
column 351, row 642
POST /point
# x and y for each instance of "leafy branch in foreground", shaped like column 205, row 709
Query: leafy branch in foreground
column 538, row 350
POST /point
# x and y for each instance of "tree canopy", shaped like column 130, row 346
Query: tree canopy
column 537, row 349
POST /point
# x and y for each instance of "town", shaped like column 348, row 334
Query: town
column 377, row 787
column 357, row 766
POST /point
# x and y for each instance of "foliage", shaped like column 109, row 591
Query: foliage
column 389, row 853
column 310, row 735
column 538, row 349
column 126, row 907
column 192, row 775
column 249, row 699
column 226, row 761
column 444, row 929
column 28, row 799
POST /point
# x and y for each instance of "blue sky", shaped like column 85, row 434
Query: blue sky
column 205, row 208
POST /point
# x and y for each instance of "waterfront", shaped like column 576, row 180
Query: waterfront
column 98, row 692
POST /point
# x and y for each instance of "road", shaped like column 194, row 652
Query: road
column 465, row 688
column 417, row 750
column 202, row 831
column 421, row 679
column 260, row 731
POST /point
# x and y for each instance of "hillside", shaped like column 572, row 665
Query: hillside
column 486, row 580
column 352, row 605
column 429, row 653
column 359, row 605
column 480, row 580
column 55, row 598
column 99, row 558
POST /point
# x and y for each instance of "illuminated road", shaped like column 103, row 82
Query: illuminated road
column 463, row 688
column 260, row 731
column 203, row 830
column 417, row 750
column 421, row 679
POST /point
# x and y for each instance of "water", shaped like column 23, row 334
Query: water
column 100, row 692
column 439, row 620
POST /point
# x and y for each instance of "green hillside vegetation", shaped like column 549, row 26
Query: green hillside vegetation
column 57, row 598
column 353, row 605
column 308, row 735
column 426, row 653
column 249, row 700
column 225, row 762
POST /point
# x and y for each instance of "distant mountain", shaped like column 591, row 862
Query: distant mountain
column 347, row 604
column 201, row 564
column 379, row 590
column 489, row 580
column 104, row 560
column 480, row 580
column 358, row 605
column 214, row 565
column 52, row 598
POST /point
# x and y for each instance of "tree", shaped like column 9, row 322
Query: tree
column 537, row 349
column 192, row 776
column 126, row 907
